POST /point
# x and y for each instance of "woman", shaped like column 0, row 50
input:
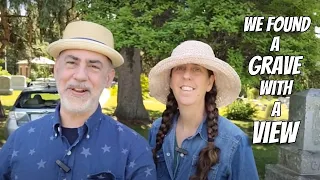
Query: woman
column 191, row 140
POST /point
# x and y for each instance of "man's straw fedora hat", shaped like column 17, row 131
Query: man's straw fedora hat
column 195, row 52
column 87, row 36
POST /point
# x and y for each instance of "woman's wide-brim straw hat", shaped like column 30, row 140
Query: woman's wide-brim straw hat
column 195, row 52
column 89, row 36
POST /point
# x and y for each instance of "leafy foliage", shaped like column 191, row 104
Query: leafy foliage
column 4, row 72
column 240, row 110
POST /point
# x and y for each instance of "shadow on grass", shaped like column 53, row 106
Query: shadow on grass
column 153, row 115
column 2, row 138
column 141, row 127
column 263, row 153
column 6, row 111
column 108, row 110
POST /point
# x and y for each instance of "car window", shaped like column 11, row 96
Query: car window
column 38, row 100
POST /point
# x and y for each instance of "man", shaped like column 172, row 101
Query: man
column 78, row 141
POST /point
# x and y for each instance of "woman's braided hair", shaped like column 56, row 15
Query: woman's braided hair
column 209, row 155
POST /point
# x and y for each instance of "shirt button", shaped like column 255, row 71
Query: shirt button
column 88, row 136
column 69, row 153
column 55, row 134
column 158, row 156
column 168, row 154
column 181, row 155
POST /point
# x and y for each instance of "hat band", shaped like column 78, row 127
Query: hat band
column 89, row 40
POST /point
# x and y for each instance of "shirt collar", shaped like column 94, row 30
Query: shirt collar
column 202, row 129
column 89, row 125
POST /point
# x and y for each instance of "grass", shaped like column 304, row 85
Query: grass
column 264, row 154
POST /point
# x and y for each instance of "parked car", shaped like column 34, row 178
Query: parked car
column 33, row 103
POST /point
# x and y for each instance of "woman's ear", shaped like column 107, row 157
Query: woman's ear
column 211, row 82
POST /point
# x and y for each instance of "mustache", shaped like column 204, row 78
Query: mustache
column 78, row 86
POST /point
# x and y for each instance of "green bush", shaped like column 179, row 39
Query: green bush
column 240, row 110
column 4, row 72
column 40, row 72
column 253, row 93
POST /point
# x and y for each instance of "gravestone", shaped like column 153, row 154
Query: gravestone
column 5, row 89
column 284, row 100
column 5, row 85
column 300, row 160
column 18, row 82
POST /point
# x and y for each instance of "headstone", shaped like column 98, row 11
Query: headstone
column 284, row 100
column 5, row 89
column 5, row 85
column 18, row 82
column 300, row 160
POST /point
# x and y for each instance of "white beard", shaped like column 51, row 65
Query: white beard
column 78, row 105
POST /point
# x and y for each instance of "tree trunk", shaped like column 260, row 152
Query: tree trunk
column 4, row 20
column 2, row 112
column 130, row 104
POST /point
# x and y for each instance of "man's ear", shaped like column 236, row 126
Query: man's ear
column 110, row 76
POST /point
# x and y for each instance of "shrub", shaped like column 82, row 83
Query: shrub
column 240, row 110
column 253, row 93
column 4, row 72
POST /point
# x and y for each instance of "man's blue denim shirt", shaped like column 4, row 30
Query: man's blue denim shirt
column 236, row 156
column 105, row 149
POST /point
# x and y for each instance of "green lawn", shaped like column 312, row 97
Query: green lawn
column 264, row 154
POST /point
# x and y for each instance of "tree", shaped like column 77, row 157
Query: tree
column 132, row 23
column 30, row 25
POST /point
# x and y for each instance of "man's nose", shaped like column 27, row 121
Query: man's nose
column 81, row 74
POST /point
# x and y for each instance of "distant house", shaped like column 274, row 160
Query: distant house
column 42, row 61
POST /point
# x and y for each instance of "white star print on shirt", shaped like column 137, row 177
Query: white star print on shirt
column 148, row 172
column 31, row 130
column 86, row 152
column 15, row 177
column 119, row 124
column 14, row 153
column 124, row 151
column 51, row 138
column 106, row 148
column 120, row 129
column 101, row 177
column 31, row 152
column 41, row 164
column 132, row 164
